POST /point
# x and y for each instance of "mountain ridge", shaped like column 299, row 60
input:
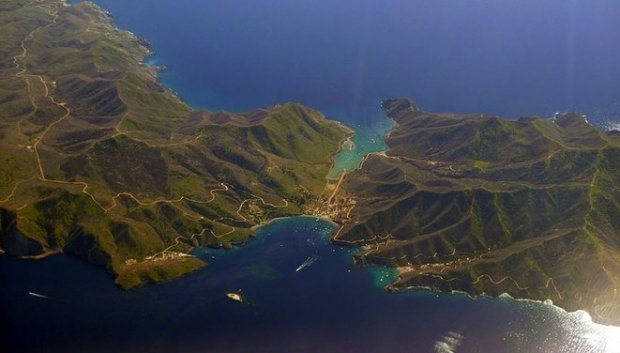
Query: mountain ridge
column 480, row 204
column 102, row 162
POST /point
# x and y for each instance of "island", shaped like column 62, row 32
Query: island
column 99, row 161
column 480, row 204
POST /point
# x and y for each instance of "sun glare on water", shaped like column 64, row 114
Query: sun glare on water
column 604, row 339
column 612, row 337
column 599, row 338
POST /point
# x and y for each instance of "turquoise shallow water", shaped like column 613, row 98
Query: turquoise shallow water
column 365, row 140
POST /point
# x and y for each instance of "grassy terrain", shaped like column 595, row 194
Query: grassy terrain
column 486, row 205
column 99, row 161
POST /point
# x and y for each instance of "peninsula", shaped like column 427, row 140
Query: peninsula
column 480, row 204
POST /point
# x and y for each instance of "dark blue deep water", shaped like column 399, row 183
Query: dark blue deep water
column 511, row 57
column 330, row 306
column 508, row 57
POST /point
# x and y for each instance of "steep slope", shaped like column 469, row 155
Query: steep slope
column 99, row 161
column 480, row 204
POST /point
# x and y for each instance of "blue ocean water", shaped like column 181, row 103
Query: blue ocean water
column 342, row 57
column 329, row 306
column 513, row 57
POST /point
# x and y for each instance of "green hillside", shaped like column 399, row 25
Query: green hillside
column 480, row 204
column 99, row 161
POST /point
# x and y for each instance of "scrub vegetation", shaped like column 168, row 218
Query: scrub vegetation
column 99, row 161
column 480, row 204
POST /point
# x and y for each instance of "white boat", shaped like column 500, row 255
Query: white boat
column 37, row 295
column 235, row 296
column 309, row 261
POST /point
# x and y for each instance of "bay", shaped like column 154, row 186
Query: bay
column 330, row 306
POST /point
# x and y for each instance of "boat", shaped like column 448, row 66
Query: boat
column 37, row 295
column 309, row 261
column 235, row 296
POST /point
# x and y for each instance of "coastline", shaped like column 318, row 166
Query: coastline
column 367, row 143
column 579, row 314
column 137, row 57
column 258, row 226
column 333, row 161
column 596, row 313
column 277, row 219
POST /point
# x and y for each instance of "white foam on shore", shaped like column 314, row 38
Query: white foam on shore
column 613, row 126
